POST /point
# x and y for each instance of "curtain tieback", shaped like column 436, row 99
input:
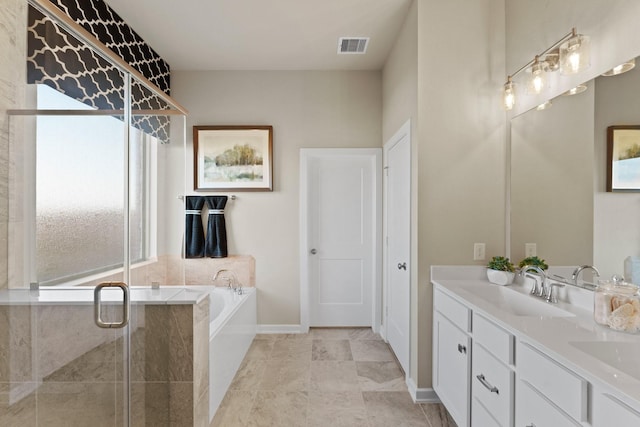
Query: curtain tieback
column 193, row 212
column 216, row 212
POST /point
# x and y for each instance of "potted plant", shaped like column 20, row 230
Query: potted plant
column 500, row 271
column 535, row 261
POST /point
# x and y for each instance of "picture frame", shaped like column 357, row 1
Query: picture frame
column 233, row 158
column 623, row 158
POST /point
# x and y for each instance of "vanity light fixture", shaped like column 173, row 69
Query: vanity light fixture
column 575, row 55
column 509, row 94
column 538, row 80
column 570, row 55
column 622, row 68
column 576, row 90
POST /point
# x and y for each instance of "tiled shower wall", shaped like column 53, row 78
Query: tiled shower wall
column 13, row 20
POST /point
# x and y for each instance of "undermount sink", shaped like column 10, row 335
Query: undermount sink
column 623, row 356
column 518, row 304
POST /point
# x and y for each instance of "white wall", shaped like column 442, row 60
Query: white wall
column 308, row 109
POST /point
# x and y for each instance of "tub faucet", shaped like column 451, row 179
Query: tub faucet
column 580, row 269
column 232, row 280
column 535, row 290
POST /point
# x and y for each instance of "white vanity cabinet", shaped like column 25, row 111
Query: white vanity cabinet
column 495, row 368
column 452, row 356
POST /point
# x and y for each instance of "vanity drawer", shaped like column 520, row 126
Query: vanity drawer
column 495, row 339
column 480, row 416
column 492, row 385
column 456, row 312
column 558, row 384
column 534, row 410
column 609, row 411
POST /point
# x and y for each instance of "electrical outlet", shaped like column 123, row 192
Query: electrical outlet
column 530, row 249
column 478, row 251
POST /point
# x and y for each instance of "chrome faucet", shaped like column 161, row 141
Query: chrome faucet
column 540, row 291
column 580, row 269
column 231, row 278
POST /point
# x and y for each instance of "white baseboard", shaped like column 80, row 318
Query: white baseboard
column 421, row 395
column 279, row 329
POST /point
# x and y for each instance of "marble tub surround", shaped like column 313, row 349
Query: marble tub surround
column 338, row 377
column 557, row 337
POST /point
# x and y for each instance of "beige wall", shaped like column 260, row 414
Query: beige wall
column 319, row 109
column 616, row 224
column 399, row 104
column 552, row 181
column 461, row 153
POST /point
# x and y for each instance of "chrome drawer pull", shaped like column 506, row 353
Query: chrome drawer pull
column 462, row 349
column 488, row 386
column 530, row 425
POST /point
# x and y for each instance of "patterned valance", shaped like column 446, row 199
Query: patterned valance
column 57, row 59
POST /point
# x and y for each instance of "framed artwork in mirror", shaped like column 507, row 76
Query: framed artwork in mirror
column 233, row 158
column 623, row 158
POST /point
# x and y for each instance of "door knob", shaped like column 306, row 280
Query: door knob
column 313, row 251
column 402, row 266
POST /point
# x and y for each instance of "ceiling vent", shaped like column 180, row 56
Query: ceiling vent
column 353, row 44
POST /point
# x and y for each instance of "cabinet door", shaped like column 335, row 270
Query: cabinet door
column 451, row 369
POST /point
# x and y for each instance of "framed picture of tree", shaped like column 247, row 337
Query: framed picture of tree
column 623, row 158
column 233, row 158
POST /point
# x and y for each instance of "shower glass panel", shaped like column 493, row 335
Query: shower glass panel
column 86, row 149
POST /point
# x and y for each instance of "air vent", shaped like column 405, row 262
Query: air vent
column 353, row 44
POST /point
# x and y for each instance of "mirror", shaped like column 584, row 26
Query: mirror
column 558, row 179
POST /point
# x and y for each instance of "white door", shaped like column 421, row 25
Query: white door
column 340, row 235
column 398, row 248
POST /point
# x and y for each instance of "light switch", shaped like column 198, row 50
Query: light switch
column 478, row 251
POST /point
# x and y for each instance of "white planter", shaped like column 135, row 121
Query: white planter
column 498, row 277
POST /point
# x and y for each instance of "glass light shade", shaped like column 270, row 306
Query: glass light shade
column 509, row 95
column 622, row 68
column 576, row 90
column 575, row 55
column 538, row 79
column 544, row 106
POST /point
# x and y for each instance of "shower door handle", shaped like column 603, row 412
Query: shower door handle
column 97, row 305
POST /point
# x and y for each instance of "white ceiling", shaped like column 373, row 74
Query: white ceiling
column 264, row 34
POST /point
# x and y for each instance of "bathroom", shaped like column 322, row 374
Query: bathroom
column 455, row 112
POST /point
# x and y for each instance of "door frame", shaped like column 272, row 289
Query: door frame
column 375, row 155
column 403, row 131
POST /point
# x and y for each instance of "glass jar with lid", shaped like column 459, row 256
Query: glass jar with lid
column 617, row 305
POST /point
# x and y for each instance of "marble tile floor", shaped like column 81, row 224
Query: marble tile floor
column 337, row 377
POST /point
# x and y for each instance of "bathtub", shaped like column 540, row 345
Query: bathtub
column 232, row 328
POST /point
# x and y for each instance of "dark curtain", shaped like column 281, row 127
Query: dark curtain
column 194, row 233
column 216, row 244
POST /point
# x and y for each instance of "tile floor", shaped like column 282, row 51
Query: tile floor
column 329, row 377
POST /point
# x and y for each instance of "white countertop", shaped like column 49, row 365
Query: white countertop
column 79, row 295
column 552, row 335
